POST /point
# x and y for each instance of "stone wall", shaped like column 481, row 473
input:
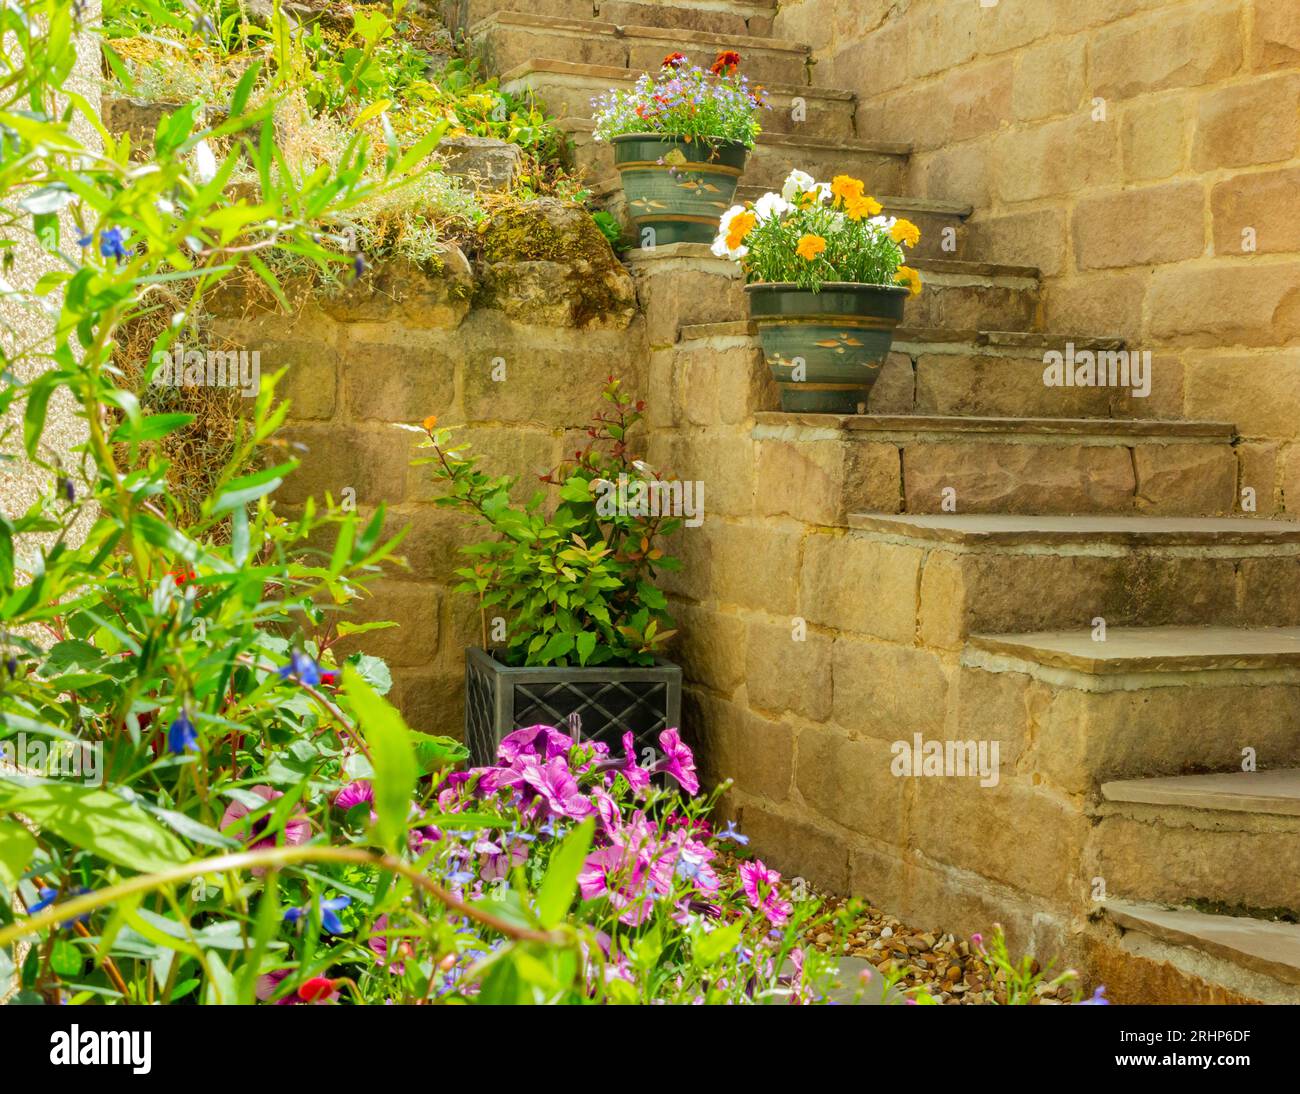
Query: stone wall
column 1144, row 154
column 514, row 346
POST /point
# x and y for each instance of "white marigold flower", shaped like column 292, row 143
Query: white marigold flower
column 771, row 205
column 797, row 183
column 721, row 245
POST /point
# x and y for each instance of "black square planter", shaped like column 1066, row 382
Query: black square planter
column 610, row 700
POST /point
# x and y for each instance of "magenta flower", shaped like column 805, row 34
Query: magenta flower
column 760, row 887
column 678, row 761
column 525, row 742
column 557, row 790
column 297, row 829
column 381, row 943
column 357, row 793
column 638, row 778
column 500, row 856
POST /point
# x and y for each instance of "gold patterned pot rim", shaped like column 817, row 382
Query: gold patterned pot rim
column 833, row 286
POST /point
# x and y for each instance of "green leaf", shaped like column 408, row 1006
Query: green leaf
column 559, row 646
column 152, row 428
column 586, row 643
column 709, row 947
column 392, row 755
column 16, row 847
column 96, row 821
column 560, row 884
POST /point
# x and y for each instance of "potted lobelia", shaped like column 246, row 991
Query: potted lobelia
column 826, row 281
column 572, row 621
column 681, row 138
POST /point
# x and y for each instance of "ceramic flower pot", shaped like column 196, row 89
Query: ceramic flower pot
column 825, row 349
column 678, row 187
column 609, row 700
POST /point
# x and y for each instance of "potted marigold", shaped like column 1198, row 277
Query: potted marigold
column 826, row 280
column 681, row 137
column 572, row 620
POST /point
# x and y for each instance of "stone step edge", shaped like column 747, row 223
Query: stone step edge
column 570, row 124
column 1275, row 792
column 557, row 67
column 1232, row 649
column 1237, row 536
column 678, row 37
column 906, row 339
column 775, row 423
column 1221, row 936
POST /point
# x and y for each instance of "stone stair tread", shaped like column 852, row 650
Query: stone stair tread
column 1150, row 649
column 956, row 341
column 1268, row 947
column 945, row 424
column 1234, row 791
column 680, row 38
column 965, row 267
column 1138, row 531
column 625, row 75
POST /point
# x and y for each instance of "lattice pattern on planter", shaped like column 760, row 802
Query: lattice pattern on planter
column 610, row 701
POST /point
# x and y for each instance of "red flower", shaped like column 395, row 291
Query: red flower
column 674, row 60
column 726, row 64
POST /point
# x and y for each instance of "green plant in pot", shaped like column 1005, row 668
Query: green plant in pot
column 681, row 138
column 572, row 620
column 826, row 281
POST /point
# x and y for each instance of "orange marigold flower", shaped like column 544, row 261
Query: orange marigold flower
column 431, row 421
column 726, row 63
column 862, row 206
column 810, row 246
column 674, row 60
column 741, row 225
column 904, row 231
column 909, row 277
column 845, row 188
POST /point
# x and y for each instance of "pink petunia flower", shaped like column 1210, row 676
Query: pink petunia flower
column 759, row 884
column 557, row 790
column 297, row 829
column 678, row 761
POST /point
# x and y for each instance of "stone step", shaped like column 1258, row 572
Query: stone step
column 505, row 40
column 567, row 90
column 930, row 371
column 882, row 166
column 1229, row 842
column 745, row 17
column 1010, row 573
column 1047, row 469
column 958, row 295
column 1255, row 959
column 1146, row 701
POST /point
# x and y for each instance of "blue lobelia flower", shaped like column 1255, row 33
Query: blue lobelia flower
column 181, row 736
column 301, row 668
column 329, row 910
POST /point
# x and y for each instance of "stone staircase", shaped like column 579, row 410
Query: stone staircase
column 976, row 557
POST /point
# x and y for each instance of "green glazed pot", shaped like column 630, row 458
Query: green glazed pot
column 678, row 187
column 825, row 349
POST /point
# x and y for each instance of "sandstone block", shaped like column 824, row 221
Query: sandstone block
column 1226, row 304
column 849, row 783
column 401, row 293
column 783, row 674
column 1153, row 138
column 1255, row 122
column 1143, row 227
column 1275, row 41
column 1255, row 213
column 888, row 691
column 1185, row 46
column 1182, row 478
column 855, row 583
